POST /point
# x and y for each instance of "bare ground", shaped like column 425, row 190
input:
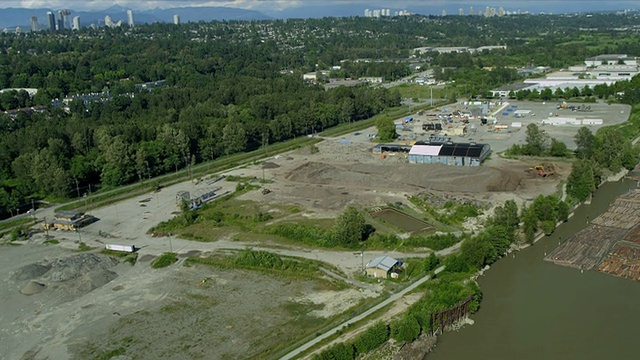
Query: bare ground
column 170, row 313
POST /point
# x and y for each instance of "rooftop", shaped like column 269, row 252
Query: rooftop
column 383, row 262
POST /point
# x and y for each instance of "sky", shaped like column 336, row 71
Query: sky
column 80, row 5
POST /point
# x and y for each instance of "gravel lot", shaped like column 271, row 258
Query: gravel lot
column 104, row 306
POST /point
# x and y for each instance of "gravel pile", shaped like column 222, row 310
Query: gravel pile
column 73, row 267
column 31, row 271
column 33, row 287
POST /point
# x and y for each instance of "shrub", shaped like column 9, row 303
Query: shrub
column 372, row 338
column 164, row 260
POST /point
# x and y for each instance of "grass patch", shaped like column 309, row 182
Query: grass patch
column 82, row 247
column 126, row 257
column 164, row 260
column 51, row 242
column 12, row 223
column 269, row 263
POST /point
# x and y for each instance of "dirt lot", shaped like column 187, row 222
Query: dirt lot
column 170, row 313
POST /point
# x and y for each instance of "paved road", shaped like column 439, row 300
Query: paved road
column 355, row 319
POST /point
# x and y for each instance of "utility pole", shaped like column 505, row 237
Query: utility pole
column 46, row 228
column 431, row 88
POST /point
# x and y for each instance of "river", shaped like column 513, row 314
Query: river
column 533, row 309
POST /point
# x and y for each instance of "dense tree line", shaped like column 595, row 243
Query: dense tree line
column 608, row 149
column 224, row 89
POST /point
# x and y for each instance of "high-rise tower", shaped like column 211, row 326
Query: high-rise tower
column 130, row 18
column 76, row 23
column 34, row 24
column 176, row 19
column 51, row 19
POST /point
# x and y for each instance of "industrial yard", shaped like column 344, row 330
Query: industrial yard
column 222, row 314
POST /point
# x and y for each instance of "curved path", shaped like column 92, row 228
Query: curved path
column 357, row 318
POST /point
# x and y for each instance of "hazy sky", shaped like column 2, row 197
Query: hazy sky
column 79, row 5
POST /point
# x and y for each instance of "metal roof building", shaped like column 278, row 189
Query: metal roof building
column 457, row 154
column 381, row 266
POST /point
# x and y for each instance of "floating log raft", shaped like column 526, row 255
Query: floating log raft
column 634, row 235
column 623, row 261
column 623, row 213
column 586, row 248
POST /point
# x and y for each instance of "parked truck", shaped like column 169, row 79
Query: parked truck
column 123, row 248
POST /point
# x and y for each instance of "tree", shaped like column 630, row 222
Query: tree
column 371, row 338
column 507, row 215
column 530, row 224
column 557, row 148
column 536, row 140
column 350, row 227
column 585, row 143
column 386, row 129
column 234, row 138
column 581, row 182
column 610, row 147
column 406, row 329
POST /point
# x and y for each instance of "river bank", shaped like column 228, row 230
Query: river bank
column 533, row 309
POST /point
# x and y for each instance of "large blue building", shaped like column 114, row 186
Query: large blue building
column 449, row 153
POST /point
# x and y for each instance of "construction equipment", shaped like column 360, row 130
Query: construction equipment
column 543, row 170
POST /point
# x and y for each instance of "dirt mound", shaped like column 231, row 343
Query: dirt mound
column 92, row 280
column 75, row 266
column 270, row 165
column 73, row 289
column 315, row 172
column 32, row 287
column 507, row 181
column 31, row 271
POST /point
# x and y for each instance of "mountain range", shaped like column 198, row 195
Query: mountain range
column 12, row 17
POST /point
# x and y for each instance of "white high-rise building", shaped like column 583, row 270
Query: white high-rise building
column 176, row 19
column 460, row 11
column 376, row 13
column 107, row 21
column 444, row 12
column 130, row 18
column 76, row 23
column 471, row 10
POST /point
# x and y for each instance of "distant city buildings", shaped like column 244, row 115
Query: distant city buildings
column 176, row 19
column 34, row 24
column 76, row 23
column 51, row 21
column 130, row 18
column 384, row 13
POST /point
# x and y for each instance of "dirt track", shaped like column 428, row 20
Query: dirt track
column 320, row 183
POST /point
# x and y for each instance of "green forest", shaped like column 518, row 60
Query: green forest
column 232, row 87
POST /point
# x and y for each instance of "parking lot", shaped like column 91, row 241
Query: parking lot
column 502, row 130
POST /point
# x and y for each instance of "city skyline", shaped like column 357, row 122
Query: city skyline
column 451, row 6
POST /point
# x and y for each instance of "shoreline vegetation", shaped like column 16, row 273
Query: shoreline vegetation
column 421, row 343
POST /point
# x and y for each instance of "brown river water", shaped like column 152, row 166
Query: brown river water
column 533, row 309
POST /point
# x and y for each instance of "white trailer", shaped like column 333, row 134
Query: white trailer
column 592, row 122
column 124, row 248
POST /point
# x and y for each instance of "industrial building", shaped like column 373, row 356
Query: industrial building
column 69, row 221
column 382, row 267
column 449, row 153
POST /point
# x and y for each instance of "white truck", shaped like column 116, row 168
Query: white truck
column 124, row 248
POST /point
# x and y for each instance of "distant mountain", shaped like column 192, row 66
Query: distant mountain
column 12, row 17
